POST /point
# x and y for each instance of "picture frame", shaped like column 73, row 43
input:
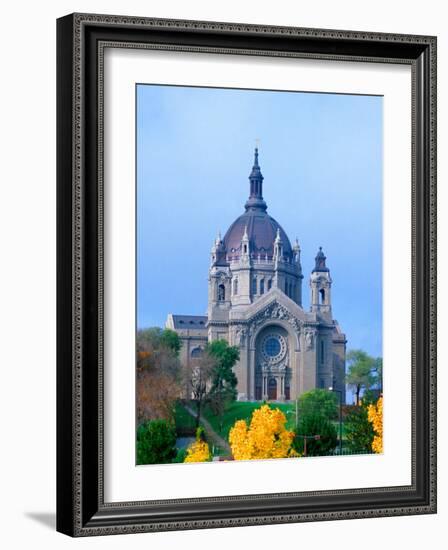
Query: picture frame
column 81, row 506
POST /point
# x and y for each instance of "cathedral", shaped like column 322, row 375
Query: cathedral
column 255, row 303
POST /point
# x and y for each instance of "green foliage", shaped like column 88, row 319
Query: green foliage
column 180, row 456
column 223, row 379
column 156, row 442
column 156, row 337
column 378, row 373
column 315, row 424
column 370, row 396
column 361, row 371
column 222, row 390
column 200, row 434
column 171, row 340
column 359, row 431
column 319, row 401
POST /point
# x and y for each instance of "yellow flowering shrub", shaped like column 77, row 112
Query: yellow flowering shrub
column 265, row 437
column 198, row 451
column 375, row 416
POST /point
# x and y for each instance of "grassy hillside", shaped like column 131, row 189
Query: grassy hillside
column 242, row 410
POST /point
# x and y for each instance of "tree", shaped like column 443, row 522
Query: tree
column 158, row 383
column 358, row 430
column 360, row 372
column 265, row 437
column 318, row 401
column 156, row 395
column 156, row 337
column 378, row 373
column 314, row 424
column 170, row 339
column 223, row 380
column 198, row 378
column 199, row 450
column 223, row 377
column 210, row 377
column 375, row 415
column 156, row 442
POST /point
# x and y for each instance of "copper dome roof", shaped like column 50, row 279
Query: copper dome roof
column 261, row 230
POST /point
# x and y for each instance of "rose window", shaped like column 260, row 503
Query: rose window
column 273, row 348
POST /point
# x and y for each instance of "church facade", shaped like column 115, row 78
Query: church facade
column 255, row 302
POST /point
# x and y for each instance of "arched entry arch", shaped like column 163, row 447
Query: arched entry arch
column 273, row 346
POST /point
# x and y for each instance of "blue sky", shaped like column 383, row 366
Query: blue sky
column 321, row 158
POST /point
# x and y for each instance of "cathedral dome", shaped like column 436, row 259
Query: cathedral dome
column 261, row 229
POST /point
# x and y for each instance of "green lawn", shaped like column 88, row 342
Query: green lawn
column 238, row 410
column 242, row 410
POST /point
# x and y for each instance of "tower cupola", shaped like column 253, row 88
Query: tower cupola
column 320, row 261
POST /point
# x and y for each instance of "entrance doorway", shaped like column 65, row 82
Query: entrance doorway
column 272, row 389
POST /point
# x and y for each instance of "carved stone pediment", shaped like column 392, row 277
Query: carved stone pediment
column 273, row 311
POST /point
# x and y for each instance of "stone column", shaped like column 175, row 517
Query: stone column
column 281, row 397
column 265, row 388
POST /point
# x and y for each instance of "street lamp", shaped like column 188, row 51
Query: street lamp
column 340, row 416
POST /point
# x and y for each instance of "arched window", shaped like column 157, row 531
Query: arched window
column 196, row 352
column 245, row 249
column 221, row 293
column 322, row 295
column 254, row 285
column 235, row 286
column 262, row 286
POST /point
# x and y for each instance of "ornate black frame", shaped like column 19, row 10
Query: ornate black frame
column 81, row 510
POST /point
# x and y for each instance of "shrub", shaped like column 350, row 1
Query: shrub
column 199, row 450
column 180, row 456
column 320, row 402
column 156, row 442
column 311, row 425
column 375, row 416
column 265, row 437
column 358, row 430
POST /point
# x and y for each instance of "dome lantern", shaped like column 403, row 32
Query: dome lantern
column 255, row 200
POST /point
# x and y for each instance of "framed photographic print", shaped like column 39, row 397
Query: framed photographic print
column 246, row 274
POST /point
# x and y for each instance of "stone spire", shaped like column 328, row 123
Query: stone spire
column 255, row 200
column 296, row 250
column 245, row 244
column 278, row 246
column 218, row 252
